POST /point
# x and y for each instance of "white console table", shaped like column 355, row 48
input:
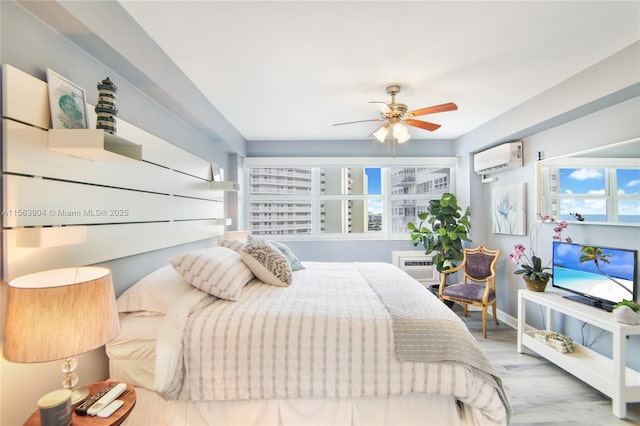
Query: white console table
column 610, row 376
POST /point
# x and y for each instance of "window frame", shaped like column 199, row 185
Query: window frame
column 548, row 180
column 316, row 163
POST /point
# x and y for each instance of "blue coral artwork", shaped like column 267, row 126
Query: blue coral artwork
column 508, row 209
column 67, row 103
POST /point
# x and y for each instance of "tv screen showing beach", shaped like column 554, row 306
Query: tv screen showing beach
column 600, row 272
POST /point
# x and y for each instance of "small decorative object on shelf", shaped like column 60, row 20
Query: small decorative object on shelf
column 627, row 312
column 557, row 341
column 577, row 216
column 66, row 102
column 106, row 107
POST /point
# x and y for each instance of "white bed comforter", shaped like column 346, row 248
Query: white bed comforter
column 328, row 335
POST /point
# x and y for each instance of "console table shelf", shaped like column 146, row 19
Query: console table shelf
column 610, row 376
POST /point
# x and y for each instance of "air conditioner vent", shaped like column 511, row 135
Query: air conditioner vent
column 499, row 158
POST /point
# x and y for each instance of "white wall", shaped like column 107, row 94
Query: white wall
column 31, row 45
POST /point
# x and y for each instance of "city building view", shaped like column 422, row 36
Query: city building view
column 349, row 198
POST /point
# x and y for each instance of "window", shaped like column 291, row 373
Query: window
column 597, row 194
column 411, row 190
column 364, row 199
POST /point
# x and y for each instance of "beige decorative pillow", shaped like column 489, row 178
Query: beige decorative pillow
column 266, row 262
column 218, row 271
column 235, row 245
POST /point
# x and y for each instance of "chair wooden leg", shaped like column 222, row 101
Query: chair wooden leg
column 495, row 314
column 464, row 305
column 484, row 322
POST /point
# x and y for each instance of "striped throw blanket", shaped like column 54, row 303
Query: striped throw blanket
column 331, row 334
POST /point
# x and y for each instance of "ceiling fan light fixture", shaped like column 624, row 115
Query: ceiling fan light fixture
column 381, row 134
column 404, row 138
column 401, row 133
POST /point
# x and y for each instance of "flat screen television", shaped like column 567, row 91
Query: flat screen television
column 598, row 276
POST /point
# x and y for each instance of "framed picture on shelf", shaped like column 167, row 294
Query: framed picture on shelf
column 67, row 102
column 508, row 210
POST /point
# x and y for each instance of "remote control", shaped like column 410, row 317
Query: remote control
column 81, row 409
column 107, row 399
column 111, row 408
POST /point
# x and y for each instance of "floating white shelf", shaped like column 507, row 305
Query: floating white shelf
column 93, row 144
column 224, row 186
column 51, row 236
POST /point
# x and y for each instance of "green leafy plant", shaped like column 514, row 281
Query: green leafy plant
column 448, row 226
column 630, row 303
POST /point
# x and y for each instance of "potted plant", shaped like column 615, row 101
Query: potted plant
column 534, row 274
column 627, row 312
column 448, row 226
column 531, row 269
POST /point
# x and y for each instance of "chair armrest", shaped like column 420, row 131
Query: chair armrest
column 452, row 270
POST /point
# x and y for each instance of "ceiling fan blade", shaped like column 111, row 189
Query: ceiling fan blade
column 358, row 121
column 382, row 106
column 422, row 124
column 433, row 109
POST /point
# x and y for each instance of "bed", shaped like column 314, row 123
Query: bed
column 334, row 343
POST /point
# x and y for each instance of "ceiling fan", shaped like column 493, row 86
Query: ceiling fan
column 396, row 116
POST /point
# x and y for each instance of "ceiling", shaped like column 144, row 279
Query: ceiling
column 289, row 70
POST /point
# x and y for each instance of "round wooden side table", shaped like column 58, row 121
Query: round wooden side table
column 128, row 397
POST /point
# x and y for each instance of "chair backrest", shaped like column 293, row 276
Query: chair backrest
column 479, row 263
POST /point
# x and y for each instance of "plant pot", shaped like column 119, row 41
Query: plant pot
column 535, row 285
column 626, row 315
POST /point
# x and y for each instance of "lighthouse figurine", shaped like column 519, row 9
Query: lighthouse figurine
column 106, row 107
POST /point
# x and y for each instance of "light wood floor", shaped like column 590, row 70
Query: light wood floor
column 541, row 393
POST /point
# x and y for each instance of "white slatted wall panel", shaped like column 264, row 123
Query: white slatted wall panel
column 129, row 207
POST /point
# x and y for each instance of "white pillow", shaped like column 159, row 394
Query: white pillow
column 218, row 271
column 154, row 294
column 266, row 262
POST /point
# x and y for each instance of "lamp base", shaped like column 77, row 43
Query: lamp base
column 78, row 395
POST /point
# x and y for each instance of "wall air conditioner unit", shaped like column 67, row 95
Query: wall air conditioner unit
column 417, row 264
column 499, row 158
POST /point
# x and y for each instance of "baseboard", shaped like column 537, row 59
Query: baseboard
column 507, row 319
column 503, row 317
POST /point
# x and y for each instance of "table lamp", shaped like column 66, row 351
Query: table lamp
column 58, row 314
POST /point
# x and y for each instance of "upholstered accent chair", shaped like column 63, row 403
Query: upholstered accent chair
column 479, row 267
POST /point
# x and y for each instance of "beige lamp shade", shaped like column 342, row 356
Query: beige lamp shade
column 59, row 313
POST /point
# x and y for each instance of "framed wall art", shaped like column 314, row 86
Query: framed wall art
column 67, row 102
column 508, row 209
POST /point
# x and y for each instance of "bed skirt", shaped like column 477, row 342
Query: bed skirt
column 405, row 410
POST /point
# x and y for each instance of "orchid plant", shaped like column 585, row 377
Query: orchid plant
column 531, row 266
